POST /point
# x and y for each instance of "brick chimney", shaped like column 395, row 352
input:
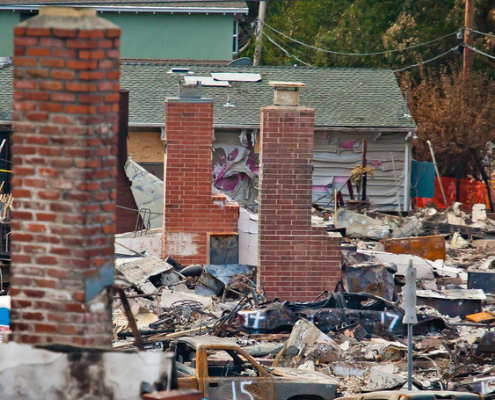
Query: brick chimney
column 66, row 93
column 191, row 211
column 296, row 261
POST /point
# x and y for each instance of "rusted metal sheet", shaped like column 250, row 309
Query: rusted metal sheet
column 429, row 247
column 366, row 273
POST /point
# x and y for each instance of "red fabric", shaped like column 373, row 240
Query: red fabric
column 471, row 192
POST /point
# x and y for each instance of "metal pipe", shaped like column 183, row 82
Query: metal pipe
column 407, row 177
column 438, row 173
column 409, row 356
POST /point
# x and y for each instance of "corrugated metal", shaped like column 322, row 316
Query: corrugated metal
column 338, row 153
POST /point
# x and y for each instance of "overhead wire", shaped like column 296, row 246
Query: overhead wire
column 481, row 33
column 359, row 54
column 480, row 52
column 285, row 51
column 427, row 61
column 397, row 70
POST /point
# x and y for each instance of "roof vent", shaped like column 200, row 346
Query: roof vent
column 286, row 93
column 179, row 70
column 192, row 91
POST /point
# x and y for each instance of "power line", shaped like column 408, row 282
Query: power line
column 480, row 52
column 340, row 53
column 481, row 33
column 285, row 51
column 427, row 61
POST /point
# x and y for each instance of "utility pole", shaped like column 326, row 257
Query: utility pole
column 259, row 33
column 467, row 54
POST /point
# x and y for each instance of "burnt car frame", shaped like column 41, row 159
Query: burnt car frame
column 220, row 369
column 335, row 312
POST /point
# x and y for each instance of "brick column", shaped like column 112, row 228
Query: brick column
column 191, row 211
column 66, row 84
column 296, row 261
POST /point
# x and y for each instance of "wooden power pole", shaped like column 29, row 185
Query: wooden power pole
column 467, row 54
column 259, row 33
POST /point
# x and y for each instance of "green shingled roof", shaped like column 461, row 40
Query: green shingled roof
column 359, row 98
column 128, row 3
column 342, row 97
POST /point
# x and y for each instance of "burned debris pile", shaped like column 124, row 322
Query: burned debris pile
column 353, row 333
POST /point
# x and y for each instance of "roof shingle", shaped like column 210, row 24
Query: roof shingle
column 347, row 98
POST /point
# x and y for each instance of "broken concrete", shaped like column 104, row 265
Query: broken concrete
column 149, row 242
column 306, row 340
column 139, row 271
column 380, row 379
column 75, row 373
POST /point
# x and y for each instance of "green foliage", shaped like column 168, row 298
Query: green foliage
column 359, row 26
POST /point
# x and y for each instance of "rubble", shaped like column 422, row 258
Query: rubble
column 355, row 335
column 428, row 247
column 456, row 302
column 141, row 271
column 307, row 341
column 367, row 273
column 381, row 379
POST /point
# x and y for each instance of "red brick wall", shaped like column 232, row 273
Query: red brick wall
column 296, row 261
column 66, row 84
column 190, row 208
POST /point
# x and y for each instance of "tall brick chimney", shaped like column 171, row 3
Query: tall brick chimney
column 191, row 211
column 66, row 93
column 296, row 261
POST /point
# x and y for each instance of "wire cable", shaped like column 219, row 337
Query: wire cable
column 340, row 53
column 427, row 61
column 285, row 51
column 480, row 52
column 481, row 33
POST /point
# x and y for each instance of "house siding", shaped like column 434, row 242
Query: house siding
column 160, row 35
column 332, row 157
column 8, row 20
column 338, row 153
